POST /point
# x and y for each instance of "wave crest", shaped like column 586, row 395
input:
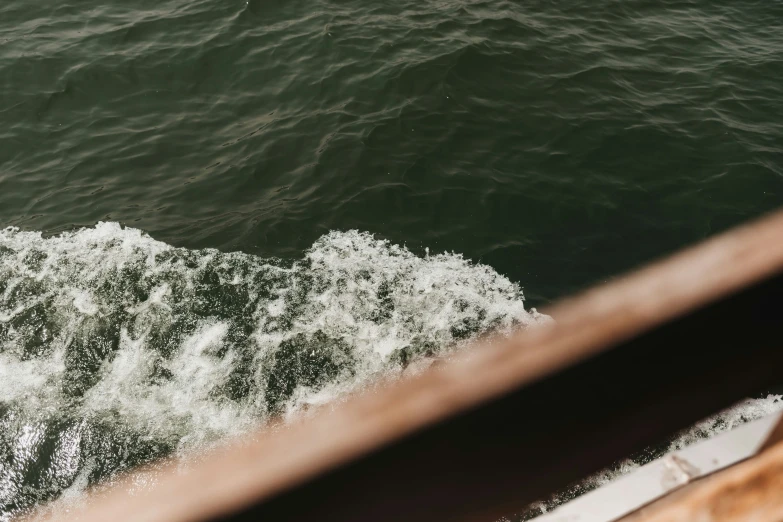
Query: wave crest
column 113, row 343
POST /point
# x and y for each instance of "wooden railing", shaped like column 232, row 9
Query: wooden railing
column 626, row 365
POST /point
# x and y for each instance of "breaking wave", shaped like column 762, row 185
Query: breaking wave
column 117, row 349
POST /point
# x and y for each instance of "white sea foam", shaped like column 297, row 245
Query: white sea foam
column 113, row 343
column 745, row 411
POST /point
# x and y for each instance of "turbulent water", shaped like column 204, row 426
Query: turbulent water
column 550, row 145
column 116, row 349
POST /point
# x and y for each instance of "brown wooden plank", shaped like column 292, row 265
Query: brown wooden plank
column 752, row 490
column 627, row 364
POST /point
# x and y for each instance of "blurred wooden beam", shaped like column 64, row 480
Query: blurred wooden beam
column 627, row 364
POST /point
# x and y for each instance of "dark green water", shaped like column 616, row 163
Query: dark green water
column 556, row 143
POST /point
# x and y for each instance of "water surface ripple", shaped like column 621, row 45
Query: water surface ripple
column 562, row 142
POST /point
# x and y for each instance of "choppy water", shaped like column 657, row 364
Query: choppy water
column 118, row 349
column 549, row 144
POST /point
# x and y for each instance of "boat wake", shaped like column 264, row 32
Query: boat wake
column 117, row 349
